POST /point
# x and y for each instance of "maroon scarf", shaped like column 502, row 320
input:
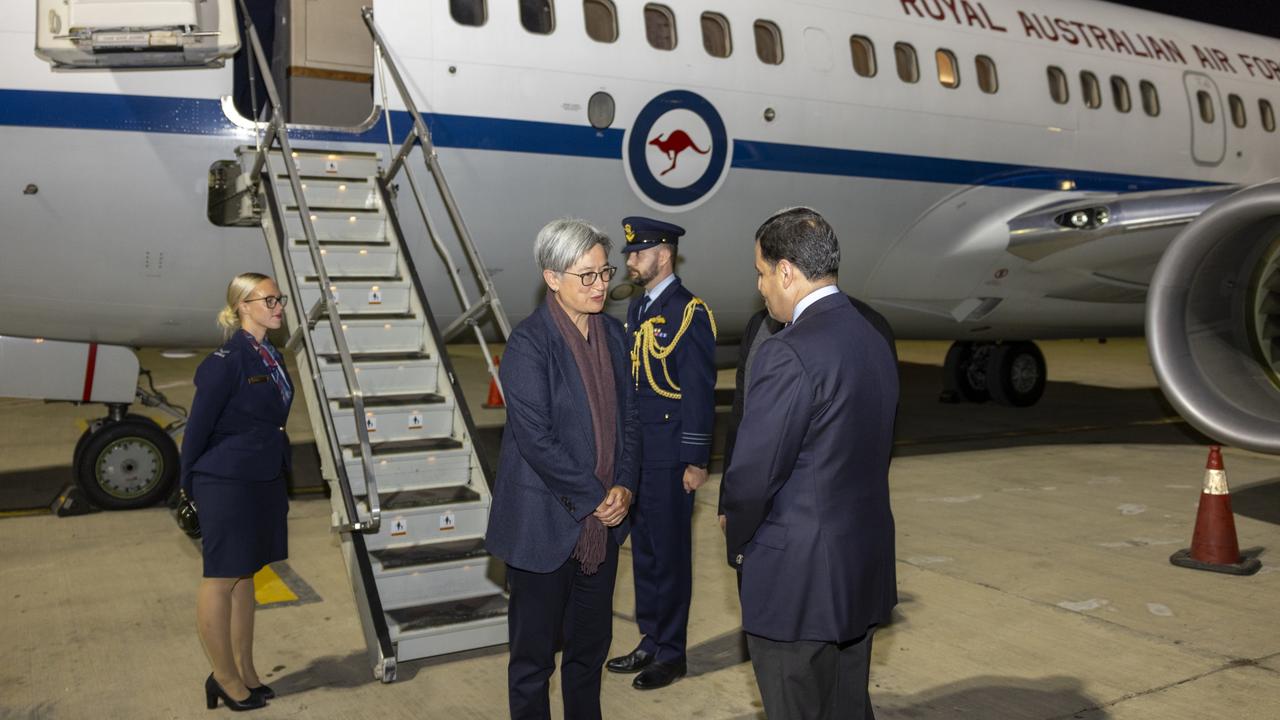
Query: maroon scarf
column 595, row 367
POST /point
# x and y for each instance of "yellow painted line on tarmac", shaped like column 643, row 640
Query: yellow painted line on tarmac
column 268, row 588
column 24, row 512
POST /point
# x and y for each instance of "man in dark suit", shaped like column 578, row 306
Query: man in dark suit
column 673, row 357
column 806, row 497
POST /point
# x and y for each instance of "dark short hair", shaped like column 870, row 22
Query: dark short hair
column 802, row 237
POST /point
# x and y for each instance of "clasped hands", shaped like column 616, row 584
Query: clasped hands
column 614, row 509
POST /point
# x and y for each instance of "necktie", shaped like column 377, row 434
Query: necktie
column 277, row 373
column 644, row 304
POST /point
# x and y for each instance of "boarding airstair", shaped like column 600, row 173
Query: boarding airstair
column 410, row 494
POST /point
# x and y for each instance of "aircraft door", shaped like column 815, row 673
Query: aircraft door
column 1208, row 121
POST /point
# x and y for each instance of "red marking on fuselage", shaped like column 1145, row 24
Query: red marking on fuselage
column 674, row 144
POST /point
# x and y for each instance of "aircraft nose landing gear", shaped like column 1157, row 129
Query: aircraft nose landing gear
column 126, row 461
column 1011, row 373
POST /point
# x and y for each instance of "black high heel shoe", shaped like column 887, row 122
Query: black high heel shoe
column 213, row 691
column 263, row 691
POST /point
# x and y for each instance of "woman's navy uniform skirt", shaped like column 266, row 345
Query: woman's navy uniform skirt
column 242, row 524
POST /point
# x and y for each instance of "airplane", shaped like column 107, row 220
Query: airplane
column 997, row 171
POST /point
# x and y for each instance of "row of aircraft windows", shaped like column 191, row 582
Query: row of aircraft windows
column 1091, row 91
column 538, row 16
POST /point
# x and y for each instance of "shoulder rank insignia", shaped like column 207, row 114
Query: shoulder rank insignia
column 221, row 352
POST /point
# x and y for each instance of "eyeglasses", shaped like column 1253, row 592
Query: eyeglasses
column 272, row 301
column 589, row 278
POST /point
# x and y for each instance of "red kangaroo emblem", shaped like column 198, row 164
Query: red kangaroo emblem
column 675, row 143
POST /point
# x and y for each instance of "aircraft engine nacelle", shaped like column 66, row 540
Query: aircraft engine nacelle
column 1213, row 320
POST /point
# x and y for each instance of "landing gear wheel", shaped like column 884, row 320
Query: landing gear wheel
column 126, row 465
column 1016, row 374
column 95, row 426
column 966, row 371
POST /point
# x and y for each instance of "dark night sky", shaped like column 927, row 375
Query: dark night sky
column 1255, row 16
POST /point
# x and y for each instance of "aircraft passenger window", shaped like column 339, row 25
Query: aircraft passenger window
column 1150, row 98
column 601, row 19
column 468, row 12
column 715, row 35
column 660, row 26
column 1238, row 117
column 1058, row 85
column 905, row 56
column 988, row 80
column 1206, row 107
column 1090, row 89
column 1268, row 115
column 1120, row 94
column 537, row 16
column 768, row 42
column 864, row 55
column 948, row 69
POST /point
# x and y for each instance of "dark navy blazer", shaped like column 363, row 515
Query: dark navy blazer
column 546, row 481
column 677, row 432
column 235, row 429
column 807, row 491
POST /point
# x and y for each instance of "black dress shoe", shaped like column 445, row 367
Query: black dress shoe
column 634, row 661
column 659, row 675
column 213, row 691
column 263, row 691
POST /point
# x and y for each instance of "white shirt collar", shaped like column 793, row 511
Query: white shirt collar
column 812, row 298
column 660, row 287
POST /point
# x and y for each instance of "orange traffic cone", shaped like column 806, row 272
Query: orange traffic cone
column 1214, row 545
column 495, row 395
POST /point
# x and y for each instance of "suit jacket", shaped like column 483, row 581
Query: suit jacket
column 807, row 493
column 235, row 429
column 677, row 432
column 546, row 481
column 759, row 327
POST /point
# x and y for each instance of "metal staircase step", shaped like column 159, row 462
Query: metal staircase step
column 340, row 225
column 325, row 192
column 382, row 374
column 449, row 612
column 409, row 523
column 402, row 400
column 348, row 259
column 426, row 497
column 363, row 297
column 327, row 163
column 412, row 468
column 394, row 420
column 411, row 556
column 373, row 333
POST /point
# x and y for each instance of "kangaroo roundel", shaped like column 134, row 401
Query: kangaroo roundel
column 676, row 153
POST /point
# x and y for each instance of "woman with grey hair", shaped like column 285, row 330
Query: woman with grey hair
column 567, row 473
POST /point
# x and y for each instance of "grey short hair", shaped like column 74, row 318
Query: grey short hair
column 561, row 242
column 801, row 236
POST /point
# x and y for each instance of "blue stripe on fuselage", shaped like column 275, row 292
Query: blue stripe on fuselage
column 193, row 116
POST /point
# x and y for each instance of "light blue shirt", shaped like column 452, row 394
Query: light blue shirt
column 657, row 291
column 812, row 298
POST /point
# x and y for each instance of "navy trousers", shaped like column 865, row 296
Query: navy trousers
column 661, row 553
column 544, row 608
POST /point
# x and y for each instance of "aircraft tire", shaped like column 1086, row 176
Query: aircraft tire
column 1016, row 374
column 126, row 465
column 965, row 371
column 94, row 426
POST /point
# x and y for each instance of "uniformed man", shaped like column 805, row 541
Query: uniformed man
column 673, row 366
